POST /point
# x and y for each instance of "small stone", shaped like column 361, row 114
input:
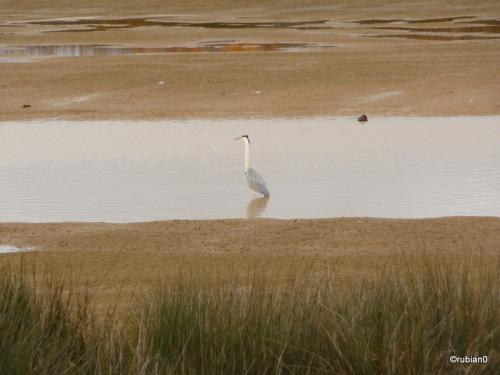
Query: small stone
column 363, row 118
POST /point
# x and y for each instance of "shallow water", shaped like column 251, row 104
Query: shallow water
column 5, row 249
column 488, row 29
column 435, row 37
column 107, row 24
column 446, row 20
column 78, row 50
column 325, row 167
column 407, row 20
column 444, row 29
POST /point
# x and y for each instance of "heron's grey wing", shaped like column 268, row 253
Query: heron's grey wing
column 256, row 182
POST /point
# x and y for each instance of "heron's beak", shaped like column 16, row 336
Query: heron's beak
column 238, row 138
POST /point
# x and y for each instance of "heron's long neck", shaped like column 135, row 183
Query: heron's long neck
column 247, row 156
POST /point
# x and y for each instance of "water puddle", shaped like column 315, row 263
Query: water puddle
column 380, row 21
column 5, row 249
column 16, row 59
column 118, row 171
column 380, row 96
column 79, row 50
column 410, row 21
column 93, row 24
column 451, row 28
column 488, row 29
column 435, row 37
column 486, row 22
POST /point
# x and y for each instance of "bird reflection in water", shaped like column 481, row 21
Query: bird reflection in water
column 256, row 207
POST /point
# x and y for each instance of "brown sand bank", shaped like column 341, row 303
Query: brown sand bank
column 396, row 68
column 126, row 259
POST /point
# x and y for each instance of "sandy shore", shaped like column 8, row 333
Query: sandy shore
column 362, row 73
column 122, row 261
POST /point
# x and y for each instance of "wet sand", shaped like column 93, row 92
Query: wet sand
column 374, row 66
column 123, row 261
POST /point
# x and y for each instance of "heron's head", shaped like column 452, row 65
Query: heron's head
column 243, row 138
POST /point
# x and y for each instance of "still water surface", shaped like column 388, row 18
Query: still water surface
column 81, row 50
column 5, row 249
column 120, row 171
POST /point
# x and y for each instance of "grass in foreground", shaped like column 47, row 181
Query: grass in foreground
column 408, row 320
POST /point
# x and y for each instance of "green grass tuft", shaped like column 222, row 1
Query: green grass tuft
column 406, row 319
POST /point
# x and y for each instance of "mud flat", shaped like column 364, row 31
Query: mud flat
column 233, row 60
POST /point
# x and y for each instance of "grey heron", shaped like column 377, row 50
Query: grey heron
column 254, row 180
